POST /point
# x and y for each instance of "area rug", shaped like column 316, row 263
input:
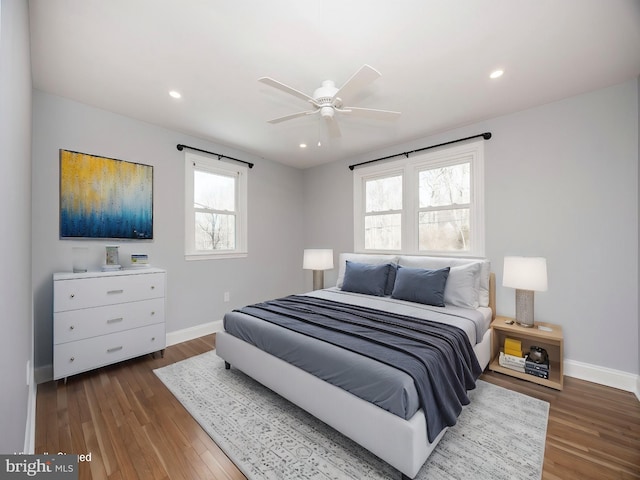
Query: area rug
column 500, row 435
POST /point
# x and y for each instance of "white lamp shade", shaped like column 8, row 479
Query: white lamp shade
column 318, row 259
column 525, row 273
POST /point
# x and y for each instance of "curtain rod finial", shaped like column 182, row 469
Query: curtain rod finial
column 486, row 135
column 180, row 147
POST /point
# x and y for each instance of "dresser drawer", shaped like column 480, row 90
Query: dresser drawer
column 75, row 325
column 75, row 357
column 108, row 290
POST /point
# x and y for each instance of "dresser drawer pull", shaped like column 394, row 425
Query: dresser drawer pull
column 72, row 359
column 114, row 320
column 71, row 327
column 111, row 292
column 72, row 295
column 153, row 287
column 153, row 313
column 114, row 349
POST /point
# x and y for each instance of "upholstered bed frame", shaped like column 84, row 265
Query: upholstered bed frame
column 401, row 443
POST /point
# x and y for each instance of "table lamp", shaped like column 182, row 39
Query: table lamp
column 526, row 275
column 318, row 260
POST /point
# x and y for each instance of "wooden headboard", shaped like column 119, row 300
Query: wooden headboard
column 492, row 294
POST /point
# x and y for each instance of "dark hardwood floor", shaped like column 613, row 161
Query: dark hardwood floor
column 133, row 428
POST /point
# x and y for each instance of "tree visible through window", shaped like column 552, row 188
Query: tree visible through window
column 382, row 221
column 444, row 206
column 214, row 209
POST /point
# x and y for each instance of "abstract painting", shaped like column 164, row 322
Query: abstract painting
column 104, row 198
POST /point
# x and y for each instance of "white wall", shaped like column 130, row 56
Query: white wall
column 561, row 182
column 195, row 288
column 16, row 319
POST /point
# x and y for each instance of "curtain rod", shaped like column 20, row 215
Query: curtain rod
column 486, row 136
column 220, row 156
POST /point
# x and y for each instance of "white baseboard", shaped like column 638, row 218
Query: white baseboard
column 194, row 332
column 30, row 428
column 603, row 375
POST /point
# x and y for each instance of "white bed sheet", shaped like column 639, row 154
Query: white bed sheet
column 475, row 331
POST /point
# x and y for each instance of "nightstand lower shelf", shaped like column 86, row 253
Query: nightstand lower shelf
column 553, row 381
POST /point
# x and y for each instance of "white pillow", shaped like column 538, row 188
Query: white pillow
column 362, row 258
column 461, row 288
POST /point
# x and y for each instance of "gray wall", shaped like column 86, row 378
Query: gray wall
column 15, row 242
column 561, row 182
column 195, row 288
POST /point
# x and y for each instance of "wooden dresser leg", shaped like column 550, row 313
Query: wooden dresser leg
column 227, row 365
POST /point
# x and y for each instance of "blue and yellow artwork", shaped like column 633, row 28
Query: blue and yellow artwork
column 104, row 197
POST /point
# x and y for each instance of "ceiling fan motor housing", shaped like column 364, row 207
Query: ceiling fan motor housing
column 323, row 98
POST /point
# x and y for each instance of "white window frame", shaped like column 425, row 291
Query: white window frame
column 472, row 152
column 193, row 163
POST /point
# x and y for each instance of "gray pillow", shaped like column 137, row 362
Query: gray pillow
column 420, row 285
column 366, row 278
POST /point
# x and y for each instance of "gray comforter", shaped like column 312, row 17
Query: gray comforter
column 438, row 358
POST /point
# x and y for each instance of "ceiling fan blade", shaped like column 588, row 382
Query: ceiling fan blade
column 332, row 125
column 285, row 88
column 292, row 116
column 370, row 113
column 358, row 80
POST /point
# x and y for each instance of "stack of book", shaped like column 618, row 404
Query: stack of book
column 538, row 369
column 511, row 361
column 513, row 347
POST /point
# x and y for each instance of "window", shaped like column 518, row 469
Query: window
column 427, row 204
column 383, row 212
column 215, row 211
column 444, row 205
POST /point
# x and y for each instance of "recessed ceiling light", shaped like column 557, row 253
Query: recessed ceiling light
column 496, row 74
column 303, row 145
column 175, row 94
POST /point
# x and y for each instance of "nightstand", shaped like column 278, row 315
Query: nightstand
column 551, row 340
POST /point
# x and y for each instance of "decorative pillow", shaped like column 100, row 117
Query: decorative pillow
column 420, row 285
column 391, row 279
column 366, row 278
column 433, row 263
column 363, row 258
column 461, row 289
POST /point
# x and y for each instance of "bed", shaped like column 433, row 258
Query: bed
column 336, row 384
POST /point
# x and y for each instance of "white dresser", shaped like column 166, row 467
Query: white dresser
column 101, row 318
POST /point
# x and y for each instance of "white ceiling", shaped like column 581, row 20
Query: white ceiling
column 435, row 57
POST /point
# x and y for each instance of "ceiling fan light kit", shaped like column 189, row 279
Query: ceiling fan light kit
column 328, row 99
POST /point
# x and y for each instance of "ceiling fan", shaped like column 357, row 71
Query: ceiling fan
column 327, row 100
